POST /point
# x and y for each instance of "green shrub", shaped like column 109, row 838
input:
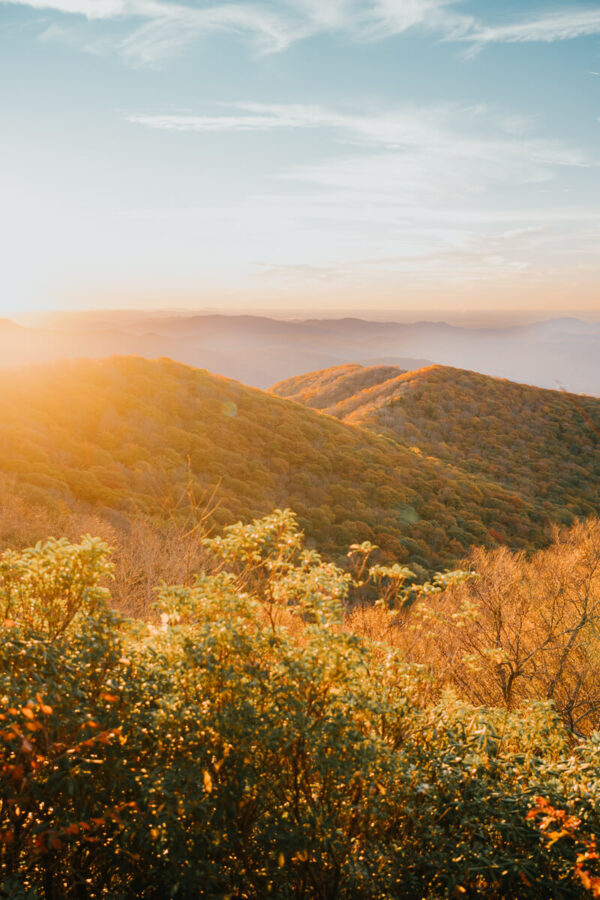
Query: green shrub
column 246, row 745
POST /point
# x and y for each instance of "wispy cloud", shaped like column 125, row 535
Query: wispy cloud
column 165, row 34
column 248, row 117
column 432, row 186
column 384, row 18
column 558, row 25
column 447, row 131
column 158, row 29
column 95, row 9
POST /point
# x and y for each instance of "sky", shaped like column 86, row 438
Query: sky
column 300, row 154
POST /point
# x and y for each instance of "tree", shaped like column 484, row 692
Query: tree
column 527, row 628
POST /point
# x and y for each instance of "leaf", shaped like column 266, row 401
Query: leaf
column 208, row 782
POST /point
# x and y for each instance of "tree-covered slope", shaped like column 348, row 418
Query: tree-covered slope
column 542, row 444
column 118, row 434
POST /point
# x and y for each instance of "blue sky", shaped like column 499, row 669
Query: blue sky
column 335, row 154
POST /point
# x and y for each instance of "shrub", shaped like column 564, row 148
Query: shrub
column 246, row 744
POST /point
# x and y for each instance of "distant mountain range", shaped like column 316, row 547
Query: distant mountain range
column 259, row 351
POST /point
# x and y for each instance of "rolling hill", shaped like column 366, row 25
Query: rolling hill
column 544, row 445
column 118, row 435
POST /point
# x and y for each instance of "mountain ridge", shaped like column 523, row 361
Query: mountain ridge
column 543, row 443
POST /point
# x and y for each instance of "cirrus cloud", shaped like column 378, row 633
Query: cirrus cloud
column 158, row 29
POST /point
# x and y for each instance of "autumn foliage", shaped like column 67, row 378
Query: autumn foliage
column 131, row 442
column 247, row 741
column 541, row 445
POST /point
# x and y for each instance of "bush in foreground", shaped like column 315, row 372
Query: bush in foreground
column 248, row 746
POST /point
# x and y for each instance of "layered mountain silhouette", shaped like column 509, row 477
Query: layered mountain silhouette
column 259, row 351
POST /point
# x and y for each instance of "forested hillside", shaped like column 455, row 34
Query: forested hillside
column 542, row 444
column 122, row 434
